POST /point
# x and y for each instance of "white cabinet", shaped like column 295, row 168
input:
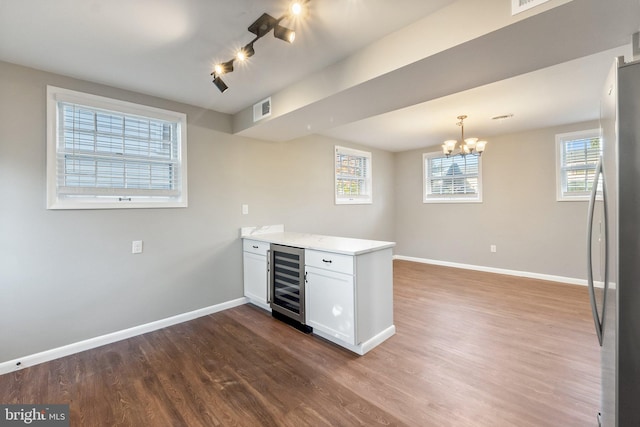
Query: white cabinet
column 255, row 272
column 349, row 298
column 349, row 284
column 330, row 303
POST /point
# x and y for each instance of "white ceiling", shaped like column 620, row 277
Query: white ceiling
column 556, row 95
column 167, row 48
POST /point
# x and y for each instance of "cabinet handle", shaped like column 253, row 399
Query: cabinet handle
column 327, row 260
column 255, row 247
column 269, row 276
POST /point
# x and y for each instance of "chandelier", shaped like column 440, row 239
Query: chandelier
column 467, row 146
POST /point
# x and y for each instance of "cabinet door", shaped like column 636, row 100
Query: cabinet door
column 255, row 278
column 330, row 303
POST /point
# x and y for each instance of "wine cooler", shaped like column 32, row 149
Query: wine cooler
column 286, row 282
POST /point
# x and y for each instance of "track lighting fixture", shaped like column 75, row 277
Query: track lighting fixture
column 260, row 27
column 283, row 33
column 245, row 52
column 219, row 84
column 296, row 8
column 224, row 68
column 218, row 70
column 263, row 25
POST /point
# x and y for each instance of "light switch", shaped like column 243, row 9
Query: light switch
column 245, row 209
column 136, row 247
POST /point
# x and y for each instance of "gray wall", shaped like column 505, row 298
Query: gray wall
column 532, row 231
column 67, row 276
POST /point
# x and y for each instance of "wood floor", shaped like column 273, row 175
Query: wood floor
column 471, row 349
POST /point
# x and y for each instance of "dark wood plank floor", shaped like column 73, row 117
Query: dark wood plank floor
column 471, row 349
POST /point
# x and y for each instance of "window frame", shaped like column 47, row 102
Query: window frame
column 118, row 198
column 561, row 139
column 451, row 198
column 362, row 199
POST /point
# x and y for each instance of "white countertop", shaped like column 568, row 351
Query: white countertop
column 340, row 245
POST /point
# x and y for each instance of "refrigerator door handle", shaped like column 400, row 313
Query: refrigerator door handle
column 592, row 293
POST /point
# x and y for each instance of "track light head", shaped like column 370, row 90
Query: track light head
column 284, row 33
column 222, row 87
column 223, row 68
column 245, row 52
column 296, row 8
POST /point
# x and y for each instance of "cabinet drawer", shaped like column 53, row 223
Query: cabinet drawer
column 255, row 247
column 329, row 261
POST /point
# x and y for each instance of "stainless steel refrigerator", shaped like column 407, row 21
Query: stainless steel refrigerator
column 614, row 247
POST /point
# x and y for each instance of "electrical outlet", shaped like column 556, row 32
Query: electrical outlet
column 136, row 247
column 493, row 248
column 245, row 209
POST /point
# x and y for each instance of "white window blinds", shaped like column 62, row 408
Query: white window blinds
column 114, row 155
column 352, row 176
column 102, row 152
column 454, row 178
column 577, row 157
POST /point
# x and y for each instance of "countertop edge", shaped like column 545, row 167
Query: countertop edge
column 294, row 240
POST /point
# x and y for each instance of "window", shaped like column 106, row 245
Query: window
column 105, row 153
column 353, row 176
column 577, row 155
column 452, row 179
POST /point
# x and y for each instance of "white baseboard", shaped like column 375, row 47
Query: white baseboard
column 55, row 353
column 527, row 274
column 361, row 348
column 378, row 339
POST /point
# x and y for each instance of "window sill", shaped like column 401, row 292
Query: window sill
column 429, row 201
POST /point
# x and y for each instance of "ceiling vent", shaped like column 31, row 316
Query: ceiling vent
column 262, row 109
column 518, row 6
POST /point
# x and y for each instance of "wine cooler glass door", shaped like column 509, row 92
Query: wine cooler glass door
column 287, row 281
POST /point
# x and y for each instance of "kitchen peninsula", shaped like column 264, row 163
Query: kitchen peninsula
column 347, row 289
